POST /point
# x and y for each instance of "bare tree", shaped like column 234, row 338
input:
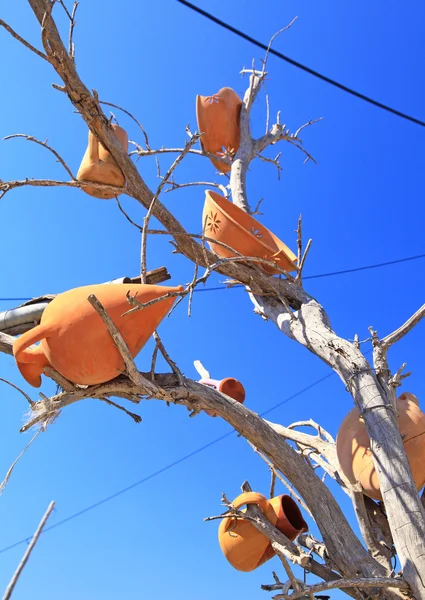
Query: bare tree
column 360, row 567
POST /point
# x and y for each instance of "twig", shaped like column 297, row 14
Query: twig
column 302, row 263
column 20, row 39
column 31, row 138
column 132, row 372
column 25, row 395
column 186, row 149
column 131, row 117
column 136, row 418
column 176, row 186
column 150, row 152
column 16, row 575
column 167, row 357
column 13, row 465
column 272, row 482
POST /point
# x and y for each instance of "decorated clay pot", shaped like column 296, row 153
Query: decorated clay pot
column 355, row 456
column 243, row 545
column 229, row 386
column 99, row 166
column 218, row 121
column 74, row 340
column 227, row 223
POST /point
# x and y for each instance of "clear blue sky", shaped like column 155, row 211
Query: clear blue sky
column 362, row 204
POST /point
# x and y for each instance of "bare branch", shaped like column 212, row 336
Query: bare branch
column 131, row 117
column 165, row 179
column 394, row 337
column 370, row 582
column 27, row 398
column 24, row 42
column 135, row 376
column 31, row 138
column 16, row 575
column 6, row 186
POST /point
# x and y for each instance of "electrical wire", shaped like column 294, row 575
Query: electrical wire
column 166, row 468
column 301, row 66
column 331, row 274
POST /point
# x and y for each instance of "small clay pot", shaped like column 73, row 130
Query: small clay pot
column 227, row 223
column 218, row 121
column 74, row 339
column 355, row 455
column 243, row 545
column 99, row 166
column 229, row 386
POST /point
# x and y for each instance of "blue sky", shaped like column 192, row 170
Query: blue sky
column 362, row 204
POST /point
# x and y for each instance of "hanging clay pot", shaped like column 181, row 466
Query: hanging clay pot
column 218, row 120
column 74, row 339
column 99, row 166
column 229, row 386
column 355, row 456
column 227, row 223
column 243, row 545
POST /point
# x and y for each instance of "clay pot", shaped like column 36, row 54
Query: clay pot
column 227, row 223
column 229, row 386
column 244, row 546
column 99, row 166
column 74, row 339
column 355, row 456
column 218, row 120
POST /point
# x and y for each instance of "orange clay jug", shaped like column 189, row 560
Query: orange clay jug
column 74, row 340
column 99, row 166
column 355, row 456
column 243, row 545
column 218, row 120
column 229, row 386
column 227, row 223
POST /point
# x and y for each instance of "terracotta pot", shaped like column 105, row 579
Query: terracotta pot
column 218, row 120
column 99, row 166
column 227, row 223
column 243, row 545
column 355, row 456
column 229, row 386
column 74, row 339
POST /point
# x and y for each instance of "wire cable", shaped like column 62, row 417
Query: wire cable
column 301, row 66
column 331, row 274
column 166, row 468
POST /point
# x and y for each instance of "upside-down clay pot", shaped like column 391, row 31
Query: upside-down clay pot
column 99, row 166
column 229, row 386
column 218, row 121
column 355, row 456
column 227, row 223
column 243, row 545
column 74, row 340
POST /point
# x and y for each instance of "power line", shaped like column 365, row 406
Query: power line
column 301, row 66
column 330, row 274
column 167, row 467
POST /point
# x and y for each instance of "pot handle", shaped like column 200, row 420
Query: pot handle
column 20, row 345
column 253, row 498
column 93, row 148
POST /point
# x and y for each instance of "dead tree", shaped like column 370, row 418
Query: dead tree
column 362, row 568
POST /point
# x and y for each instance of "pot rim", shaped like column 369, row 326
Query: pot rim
column 290, row 254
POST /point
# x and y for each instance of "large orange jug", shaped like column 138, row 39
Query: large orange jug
column 355, row 455
column 74, row 339
column 227, row 223
column 218, row 120
column 243, row 545
column 99, row 166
